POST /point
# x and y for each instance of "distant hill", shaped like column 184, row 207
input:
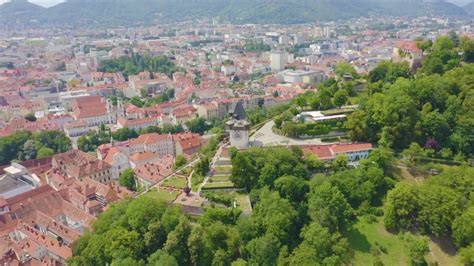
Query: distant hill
column 126, row 12
column 469, row 8
column 19, row 12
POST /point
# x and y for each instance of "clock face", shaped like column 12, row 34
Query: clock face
column 237, row 135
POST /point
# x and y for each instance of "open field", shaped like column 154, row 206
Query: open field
column 162, row 194
column 365, row 237
column 176, row 182
column 243, row 201
column 219, row 185
column 219, row 178
column 241, row 198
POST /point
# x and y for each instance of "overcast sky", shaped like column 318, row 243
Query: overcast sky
column 39, row 2
column 48, row 3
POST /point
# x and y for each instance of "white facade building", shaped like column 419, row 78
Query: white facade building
column 278, row 60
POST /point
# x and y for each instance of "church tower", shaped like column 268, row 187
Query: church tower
column 239, row 128
column 120, row 108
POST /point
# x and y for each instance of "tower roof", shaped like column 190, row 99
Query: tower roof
column 239, row 112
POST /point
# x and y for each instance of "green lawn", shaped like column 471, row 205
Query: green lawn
column 196, row 181
column 223, row 169
column 176, row 182
column 243, row 201
column 364, row 237
column 186, row 171
column 219, row 178
column 162, row 194
column 219, row 185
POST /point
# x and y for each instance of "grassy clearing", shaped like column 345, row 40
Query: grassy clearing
column 186, row 171
column 222, row 170
column 241, row 198
column 162, row 194
column 176, row 182
column 243, row 201
column 196, row 181
column 220, row 185
column 219, row 178
column 364, row 237
column 402, row 174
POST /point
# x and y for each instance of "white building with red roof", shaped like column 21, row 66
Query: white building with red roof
column 353, row 151
column 162, row 144
column 96, row 110
column 139, row 123
column 76, row 128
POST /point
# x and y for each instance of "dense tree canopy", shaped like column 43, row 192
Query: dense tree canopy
column 137, row 63
column 24, row 145
column 428, row 108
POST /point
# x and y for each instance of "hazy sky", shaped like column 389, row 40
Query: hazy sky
column 53, row 2
column 39, row 2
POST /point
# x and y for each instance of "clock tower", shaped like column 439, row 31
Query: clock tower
column 239, row 128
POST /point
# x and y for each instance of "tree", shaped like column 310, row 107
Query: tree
column 30, row 117
column 424, row 45
column 439, row 206
column 203, row 166
column 263, row 250
column 435, row 125
column 122, row 243
column 123, row 134
column 44, row 152
column 357, row 125
column 275, row 216
column 324, row 100
column 402, row 207
column 388, row 71
column 467, row 46
column 137, row 101
column 417, row 249
column 413, row 152
column 55, row 140
column 328, row 207
column 161, row 257
column 340, row 98
column 197, row 125
column 340, row 163
column 467, row 254
column 155, row 236
column 454, row 37
column 199, row 253
column 176, row 244
column 345, row 68
column 463, row 228
column 314, row 165
column 180, row 161
column 29, row 150
column 127, row 179
column 292, row 188
column 320, row 247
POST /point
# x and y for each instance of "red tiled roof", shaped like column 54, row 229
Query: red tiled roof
column 89, row 106
column 328, row 152
column 150, row 138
